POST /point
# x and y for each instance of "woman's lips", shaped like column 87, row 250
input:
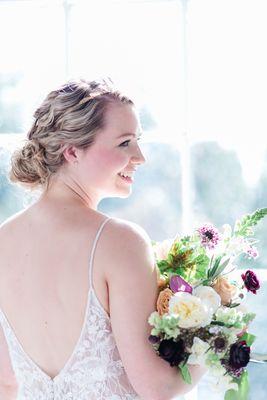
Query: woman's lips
column 126, row 179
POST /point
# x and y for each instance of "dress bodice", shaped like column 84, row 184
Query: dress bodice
column 94, row 370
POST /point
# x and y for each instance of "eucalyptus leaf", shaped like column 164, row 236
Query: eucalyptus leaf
column 185, row 373
column 243, row 386
column 231, row 394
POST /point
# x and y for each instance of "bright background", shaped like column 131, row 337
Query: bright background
column 197, row 69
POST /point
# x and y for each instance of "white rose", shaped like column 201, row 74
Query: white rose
column 209, row 296
column 198, row 352
column 191, row 310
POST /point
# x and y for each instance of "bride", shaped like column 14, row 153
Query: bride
column 77, row 286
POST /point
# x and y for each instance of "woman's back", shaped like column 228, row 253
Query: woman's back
column 44, row 290
column 83, row 323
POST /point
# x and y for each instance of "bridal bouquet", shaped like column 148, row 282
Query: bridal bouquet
column 200, row 317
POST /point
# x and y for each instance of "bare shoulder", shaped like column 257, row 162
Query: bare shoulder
column 129, row 247
column 8, row 222
column 8, row 227
column 128, row 232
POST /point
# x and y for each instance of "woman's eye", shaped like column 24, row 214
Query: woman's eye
column 123, row 144
column 127, row 141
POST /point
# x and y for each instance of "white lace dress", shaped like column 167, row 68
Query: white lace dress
column 94, row 371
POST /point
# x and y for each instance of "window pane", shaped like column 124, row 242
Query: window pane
column 227, row 127
column 32, row 58
column 138, row 44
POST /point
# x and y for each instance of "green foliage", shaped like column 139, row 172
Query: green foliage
column 231, row 395
column 164, row 266
column 249, row 338
column 243, row 389
column 247, row 318
column 166, row 324
column 216, row 268
column 186, row 259
column 243, row 386
column 185, row 373
column 244, row 227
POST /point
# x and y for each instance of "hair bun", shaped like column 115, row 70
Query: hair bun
column 28, row 164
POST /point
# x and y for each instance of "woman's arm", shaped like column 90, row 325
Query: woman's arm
column 132, row 281
column 8, row 392
column 8, row 383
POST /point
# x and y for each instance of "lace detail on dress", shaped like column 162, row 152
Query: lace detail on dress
column 94, row 371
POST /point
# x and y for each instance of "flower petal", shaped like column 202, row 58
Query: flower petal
column 178, row 284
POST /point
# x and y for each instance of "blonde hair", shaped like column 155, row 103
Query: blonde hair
column 69, row 115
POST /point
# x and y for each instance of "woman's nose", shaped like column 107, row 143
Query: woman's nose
column 139, row 157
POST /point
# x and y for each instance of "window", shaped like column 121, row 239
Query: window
column 197, row 70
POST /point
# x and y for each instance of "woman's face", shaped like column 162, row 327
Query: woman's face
column 115, row 150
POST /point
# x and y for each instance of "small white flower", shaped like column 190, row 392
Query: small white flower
column 231, row 335
column 215, row 329
column 228, row 315
column 242, row 308
column 208, row 295
column 217, row 370
column 224, row 383
column 198, row 352
column 236, row 245
column 154, row 318
column 227, row 231
column 191, row 310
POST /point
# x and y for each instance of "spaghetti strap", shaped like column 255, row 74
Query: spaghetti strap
column 93, row 252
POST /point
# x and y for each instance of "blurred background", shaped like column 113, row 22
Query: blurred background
column 197, row 71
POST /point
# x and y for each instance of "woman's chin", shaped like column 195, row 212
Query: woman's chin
column 123, row 192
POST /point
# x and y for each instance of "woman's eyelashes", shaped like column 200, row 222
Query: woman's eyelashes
column 127, row 141
column 125, row 145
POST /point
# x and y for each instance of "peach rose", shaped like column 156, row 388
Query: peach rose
column 224, row 289
column 163, row 301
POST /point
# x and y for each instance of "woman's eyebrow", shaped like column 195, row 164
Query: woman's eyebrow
column 130, row 134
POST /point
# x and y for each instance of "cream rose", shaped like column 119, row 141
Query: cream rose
column 191, row 310
column 225, row 290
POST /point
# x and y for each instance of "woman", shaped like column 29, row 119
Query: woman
column 77, row 287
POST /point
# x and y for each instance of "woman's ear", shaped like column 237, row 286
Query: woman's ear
column 72, row 154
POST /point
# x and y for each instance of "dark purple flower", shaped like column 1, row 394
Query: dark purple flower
column 178, row 284
column 219, row 343
column 171, row 351
column 153, row 339
column 239, row 355
column 209, row 236
column 251, row 281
